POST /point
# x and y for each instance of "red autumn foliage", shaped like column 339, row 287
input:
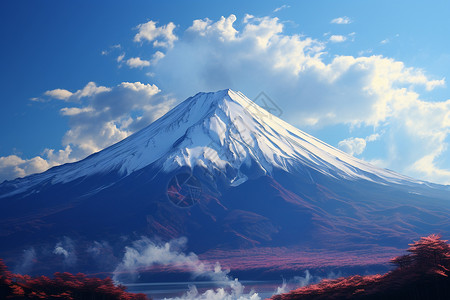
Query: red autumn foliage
column 423, row 273
column 61, row 286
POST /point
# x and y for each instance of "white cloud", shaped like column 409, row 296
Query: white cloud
column 426, row 127
column 102, row 116
column 281, row 7
column 89, row 90
column 353, row 146
column 146, row 89
column 111, row 49
column 341, row 20
column 365, row 52
column 223, row 28
column 105, row 118
column 72, row 111
column 426, row 167
column 160, row 36
column 247, row 18
column 352, row 36
column 373, row 137
column 137, row 62
column 430, row 85
column 337, row 38
column 66, row 249
column 356, row 146
column 60, row 94
column 120, row 57
column 61, row 251
column 157, row 56
column 13, row 166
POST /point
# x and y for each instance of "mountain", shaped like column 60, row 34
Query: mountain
column 232, row 178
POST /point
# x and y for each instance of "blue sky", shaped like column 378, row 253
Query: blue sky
column 368, row 77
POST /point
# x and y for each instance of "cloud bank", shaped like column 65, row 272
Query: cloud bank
column 98, row 117
column 145, row 253
column 254, row 54
column 341, row 20
column 365, row 92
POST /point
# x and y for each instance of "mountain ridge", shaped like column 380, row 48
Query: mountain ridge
column 216, row 124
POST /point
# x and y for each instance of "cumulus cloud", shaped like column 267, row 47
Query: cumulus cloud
column 13, row 166
column 137, row 62
column 426, row 126
column 356, row 146
column 89, row 90
column 162, row 36
column 341, row 20
column 290, row 68
column 105, row 118
column 426, row 167
column 353, row 146
column 59, row 94
column 373, row 137
column 337, row 38
column 157, row 56
column 98, row 117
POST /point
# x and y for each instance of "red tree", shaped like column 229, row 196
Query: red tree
column 62, row 286
column 421, row 274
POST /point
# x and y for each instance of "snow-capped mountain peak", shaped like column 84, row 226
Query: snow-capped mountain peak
column 219, row 131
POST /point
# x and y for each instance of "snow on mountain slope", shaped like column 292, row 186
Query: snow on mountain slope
column 218, row 131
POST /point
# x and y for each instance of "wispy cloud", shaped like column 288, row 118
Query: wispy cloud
column 66, row 249
column 337, row 38
column 120, row 57
column 388, row 40
column 28, row 260
column 281, row 7
column 145, row 253
column 111, row 49
column 341, row 20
